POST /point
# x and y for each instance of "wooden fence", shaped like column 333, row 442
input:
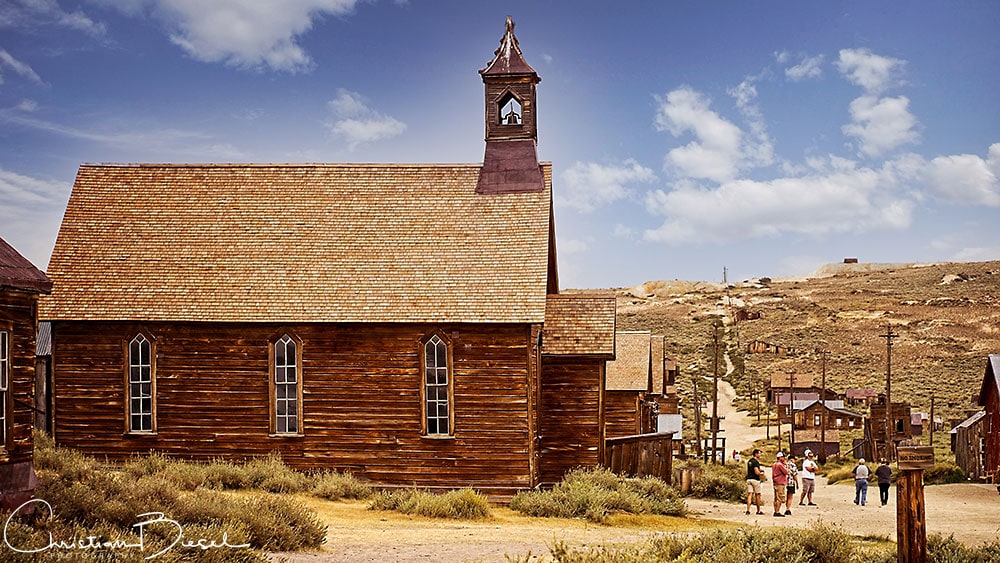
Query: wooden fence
column 642, row 455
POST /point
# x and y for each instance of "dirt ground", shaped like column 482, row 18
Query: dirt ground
column 970, row 512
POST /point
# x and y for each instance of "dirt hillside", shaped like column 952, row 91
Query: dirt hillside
column 947, row 317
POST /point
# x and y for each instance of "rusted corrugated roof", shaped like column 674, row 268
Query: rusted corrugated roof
column 18, row 272
column 580, row 324
column 299, row 242
column 630, row 369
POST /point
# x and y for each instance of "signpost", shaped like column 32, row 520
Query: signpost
column 911, row 526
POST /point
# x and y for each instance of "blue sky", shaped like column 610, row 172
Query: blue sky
column 765, row 137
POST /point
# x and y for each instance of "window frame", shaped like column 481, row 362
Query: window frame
column 272, row 378
column 6, row 375
column 425, row 386
column 127, row 352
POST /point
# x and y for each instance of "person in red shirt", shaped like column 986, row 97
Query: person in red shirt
column 779, row 478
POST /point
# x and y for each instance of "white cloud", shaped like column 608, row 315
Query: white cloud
column 589, row 185
column 840, row 197
column 357, row 123
column 27, row 105
column 809, row 67
column 20, row 68
column 572, row 246
column 257, row 34
column 872, row 72
column 881, row 124
column 36, row 13
column 965, row 178
column 720, row 151
column 715, row 154
column 132, row 137
column 760, row 151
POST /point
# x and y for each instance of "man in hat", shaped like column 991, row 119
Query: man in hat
column 861, row 475
column 808, row 475
column 779, row 478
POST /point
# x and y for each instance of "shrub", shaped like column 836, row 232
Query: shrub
column 944, row 472
column 820, row 543
column 278, row 524
column 941, row 549
column 595, row 493
column 723, row 482
column 461, row 504
column 272, row 475
column 335, row 486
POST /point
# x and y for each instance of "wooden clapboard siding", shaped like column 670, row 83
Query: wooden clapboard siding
column 571, row 416
column 17, row 316
column 361, row 398
column 621, row 413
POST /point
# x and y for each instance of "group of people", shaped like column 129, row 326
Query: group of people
column 788, row 479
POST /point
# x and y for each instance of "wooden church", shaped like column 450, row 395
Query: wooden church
column 399, row 321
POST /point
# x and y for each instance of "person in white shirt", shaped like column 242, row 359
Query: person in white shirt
column 808, row 476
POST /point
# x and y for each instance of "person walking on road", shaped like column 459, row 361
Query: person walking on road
column 861, row 475
column 884, row 476
column 809, row 468
column 754, row 476
column 779, row 478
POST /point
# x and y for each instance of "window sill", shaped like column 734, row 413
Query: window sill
column 140, row 434
column 438, row 436
column 298, row 435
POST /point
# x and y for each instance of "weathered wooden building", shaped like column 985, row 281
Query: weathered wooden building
column 626, row 407
column 812, row 413
column 577, row 342
column 875, row 428
column 968, row 443
column 401, row 322
column 20, row 285
column 989, row 399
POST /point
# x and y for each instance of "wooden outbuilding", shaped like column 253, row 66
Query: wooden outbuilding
column 21, row 283
column 968, row 441
column 989, row 399
column 626, row 407
column 399, row 321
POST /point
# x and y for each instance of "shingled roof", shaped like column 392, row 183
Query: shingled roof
column 18, row 272
column 300, row 242
column 580, row 324
column 630, row 369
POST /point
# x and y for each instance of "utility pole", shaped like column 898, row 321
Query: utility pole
column 697, row 414
column 822, row 402
column 889, row 335
column 932, row 421
column 715, row 392
column 791, row 414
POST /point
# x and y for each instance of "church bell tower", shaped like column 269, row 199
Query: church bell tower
column 510, row 163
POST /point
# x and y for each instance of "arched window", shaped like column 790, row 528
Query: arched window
column 286, row 386
column 141, row 403
column 436, row 391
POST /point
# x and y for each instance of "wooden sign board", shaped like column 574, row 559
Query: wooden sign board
column 915, row 457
